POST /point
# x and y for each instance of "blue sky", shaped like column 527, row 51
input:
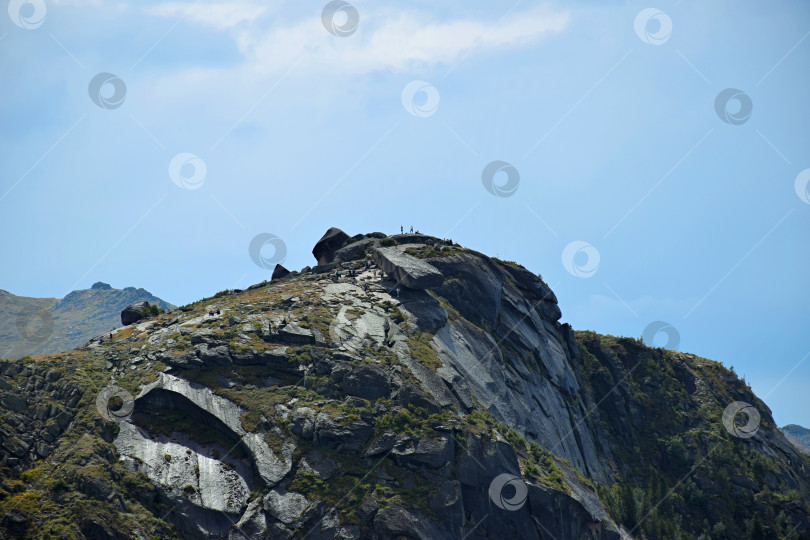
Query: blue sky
column 606, row 112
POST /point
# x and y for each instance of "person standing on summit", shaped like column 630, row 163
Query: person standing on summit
column 411, row 228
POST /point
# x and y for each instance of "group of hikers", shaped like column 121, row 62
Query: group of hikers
column 214, row 312
column 391, row 290
column 402, row 230
column 283, row 320
column 352, row 272
column 368, row 265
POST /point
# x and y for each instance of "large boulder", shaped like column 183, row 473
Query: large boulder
column 344, row 438
column 134, row 312
column 285, row 506
column 353, row 251
column 329, row 243
column 279, row 272
column 367, row 382
column 408, row 270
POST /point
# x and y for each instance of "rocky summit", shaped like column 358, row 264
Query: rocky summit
column 404, row 387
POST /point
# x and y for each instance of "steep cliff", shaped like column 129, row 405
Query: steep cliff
column 393, row 406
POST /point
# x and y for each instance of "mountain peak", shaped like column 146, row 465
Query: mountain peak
column 405, row 387
column 34, row 326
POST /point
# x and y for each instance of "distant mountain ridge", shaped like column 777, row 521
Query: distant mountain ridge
column 798, row 436
column 33, row 326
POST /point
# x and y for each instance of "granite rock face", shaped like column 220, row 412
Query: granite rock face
column 354, row 251
column 407, row 269
column 324, row 406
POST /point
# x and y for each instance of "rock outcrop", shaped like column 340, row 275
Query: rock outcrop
column 406, row 269
column 134, row 313
column 323, row 406
column 279, row 272
column 354, row 251
column 330, row 242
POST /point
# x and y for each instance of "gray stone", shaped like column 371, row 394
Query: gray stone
column 406, row 269
column 16, row 446
column 330, row 242
column 424, row 312
column 428, row 451
column 285, row 506
column 394, row 521
column 43, row 450
column 134, row 313
column 411, row 395
column 252, row 524
column 279, row 272
column 474, row 288
column 321, row 465
column 345, row 439
column 447, row 504
column 303, row 423
column 353, row 251
column 382, row 445
column 367, row 382
column 415, row 238
column 294, row 334
column 13, row 402
column 172, row 392
column 213, row 355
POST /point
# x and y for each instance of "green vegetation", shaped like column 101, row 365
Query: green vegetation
column 430, row 252
column 508, row 263
column 153, row 310
column 679, row 466
column 422, row 352
column 398, row 317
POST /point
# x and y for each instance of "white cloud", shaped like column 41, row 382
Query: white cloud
column 218, row 16
column 403, row 41
column 386, row 39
